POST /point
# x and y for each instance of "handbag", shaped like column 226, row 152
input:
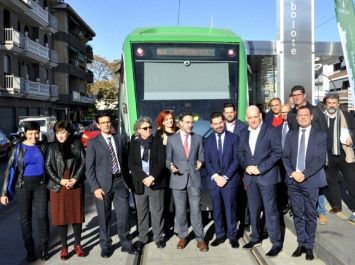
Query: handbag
column 12, row 175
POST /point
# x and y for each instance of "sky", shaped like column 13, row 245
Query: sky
column 113, row 20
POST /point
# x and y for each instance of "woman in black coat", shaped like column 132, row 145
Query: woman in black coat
column 146, row 161
column 65, row 168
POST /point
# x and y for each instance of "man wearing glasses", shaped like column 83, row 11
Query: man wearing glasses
column 107, row 171
column 299, row 97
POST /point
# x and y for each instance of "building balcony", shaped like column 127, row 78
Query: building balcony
column 89, row 52
column 33, row 50
column 53, row 24
column 21, row 87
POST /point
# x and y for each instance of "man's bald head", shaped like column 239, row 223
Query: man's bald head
column 253, row 117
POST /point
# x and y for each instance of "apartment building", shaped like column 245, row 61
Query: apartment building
column 72, row 75
column 37, row 72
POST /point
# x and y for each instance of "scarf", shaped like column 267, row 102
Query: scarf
column 339, row 123
column 336, row 133
column 65, row 148
column 145, row 144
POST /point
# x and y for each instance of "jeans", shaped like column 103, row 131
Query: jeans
column 321, row 203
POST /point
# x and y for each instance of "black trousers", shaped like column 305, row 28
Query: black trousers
column 33, row 195
column 336, row 164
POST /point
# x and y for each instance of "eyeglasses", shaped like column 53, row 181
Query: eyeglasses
column 146, row 128
column 297, row 95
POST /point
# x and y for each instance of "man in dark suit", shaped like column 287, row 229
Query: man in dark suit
column 259, row 153
column 221, row 162
column 184, row 157
column 304, row 160
column 107, row 172
column 232, row 123
column 299, row 97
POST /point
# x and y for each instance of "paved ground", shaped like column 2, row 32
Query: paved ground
column 334, row 245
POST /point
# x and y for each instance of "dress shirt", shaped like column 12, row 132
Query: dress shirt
column 230, row 126
column 223, row 134
column 253, row 136
column 114, row 149
column 306, row 137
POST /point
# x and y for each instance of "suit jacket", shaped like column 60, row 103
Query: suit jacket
column 229, row 159
column 315, row 157
column 268, row 152
column 239, row 126
column 175, row 154
column 99, row 164
column 156, row 165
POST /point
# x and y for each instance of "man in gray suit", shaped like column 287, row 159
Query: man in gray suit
column 184, row 157
column 107, row 172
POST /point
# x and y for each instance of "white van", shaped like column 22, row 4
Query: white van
column 46, row 124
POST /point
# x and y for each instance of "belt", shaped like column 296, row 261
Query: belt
column 115, row 176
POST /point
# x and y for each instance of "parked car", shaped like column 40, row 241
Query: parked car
column 86, row 123
column 78, row 129
column 90, row 132
column 4, row 146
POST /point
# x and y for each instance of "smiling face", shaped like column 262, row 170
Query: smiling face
column 145, row 130
column 253, row 117
column 32, row 137
column 299, row 98
column 168, row 121
column 304, row 117
column 229, row 114
column 186, row 124
column 217, row 124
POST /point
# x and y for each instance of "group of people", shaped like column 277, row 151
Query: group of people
column 283, row 160
column 58, row 168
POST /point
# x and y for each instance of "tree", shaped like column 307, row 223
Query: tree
column 105, row 84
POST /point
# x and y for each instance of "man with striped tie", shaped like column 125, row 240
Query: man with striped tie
column 107, row 173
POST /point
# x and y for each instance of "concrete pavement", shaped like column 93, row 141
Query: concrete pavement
column 334, row 245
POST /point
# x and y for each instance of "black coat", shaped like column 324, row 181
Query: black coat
column 19, row 177
column 156, row 165
column 55, row 165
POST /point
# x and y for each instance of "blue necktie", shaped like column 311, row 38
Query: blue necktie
column 284, row 132
column 302, row 152
column 220, row 164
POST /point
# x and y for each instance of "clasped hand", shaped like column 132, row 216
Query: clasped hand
column 68, row 183
column 252, row 170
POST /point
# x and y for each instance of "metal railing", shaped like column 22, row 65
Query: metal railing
column 12, row 37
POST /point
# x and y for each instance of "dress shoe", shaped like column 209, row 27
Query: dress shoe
column 309, row 254
column 298, row 252
column 182, row 243
column 160, row 244
column 335, row 210
column 322, row 219
column 44, row 254
column 252, row 245
column 218, row 241
column 105, row 253
column 130, row 250
column 274, row 251
column 202, row 246
column 139, row 245
column 234, row 243
column 31, row 257
column 64, row 253
column 351, row 218
column 79, row 251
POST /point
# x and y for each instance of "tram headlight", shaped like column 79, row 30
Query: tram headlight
column 140, row 52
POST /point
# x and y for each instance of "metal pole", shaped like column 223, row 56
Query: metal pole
column 178, row 18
